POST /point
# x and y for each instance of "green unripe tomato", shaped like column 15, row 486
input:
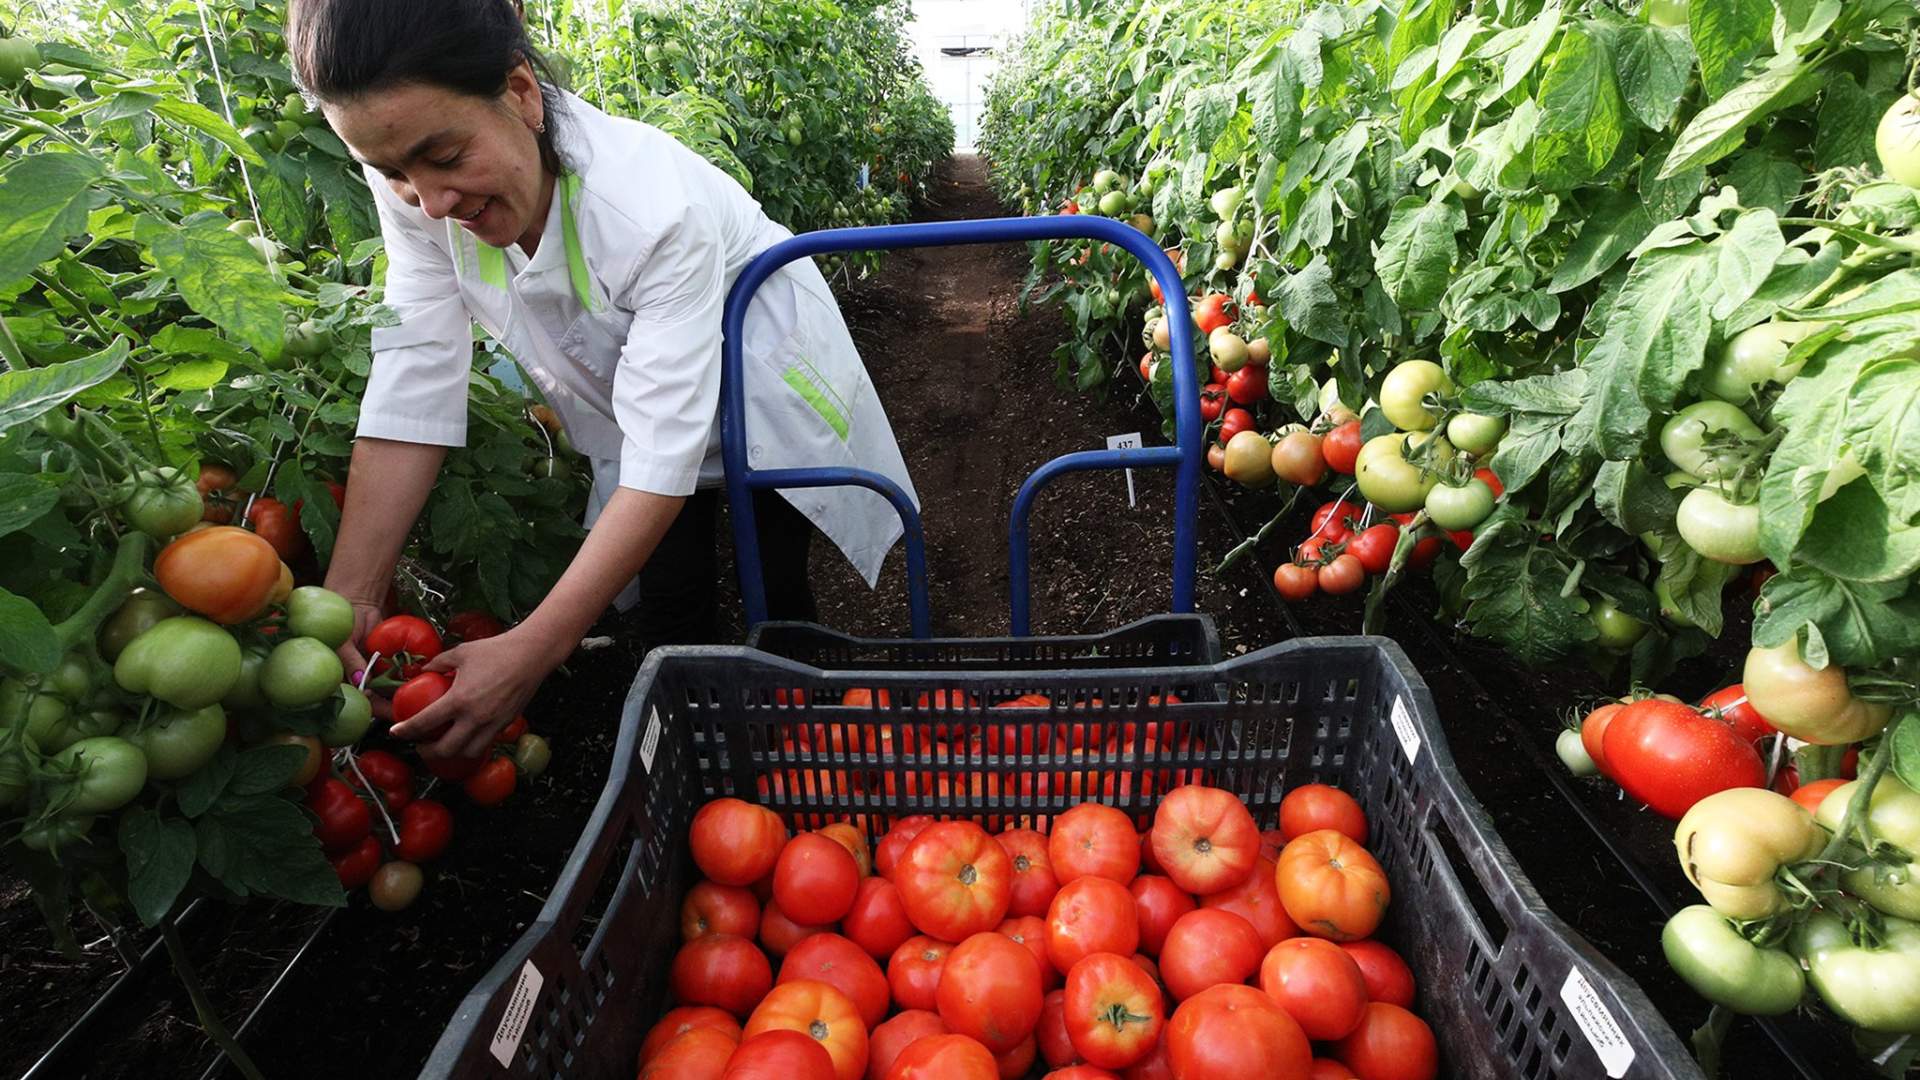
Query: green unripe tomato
column 1617, row 630
column 295, row 108
column 1474, row 433
column 307, row 339
column 18, row 56
column 246, row 692
column 1685, row 436
column 320, row 613
column 163, row 502
column 1105, row 181
column 107, row 772
column 532, row 754
column 1668, row 14
column 1573, row 754
column 180, row 742
column 1876, row 989
column 288, row 130
column 1753, row 358
column 1388, row 480
column 184, row 661
column 78, row 725
column 1403, row 393
column 351, row 721
column 13, row 775
column 243, row 227
column 40, row 710
column 54, row 835
column 300, row 672
column 143, row 609
column 1720, row 529
column 1711, row 956
column 265, row 250
column 1113, row 204
column 1897, row 141
column 1464, row 506
column 1225, row 201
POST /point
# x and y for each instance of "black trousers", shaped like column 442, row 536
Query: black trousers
column 679, row 586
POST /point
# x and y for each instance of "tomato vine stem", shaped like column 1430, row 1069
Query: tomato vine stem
column 215, row 1028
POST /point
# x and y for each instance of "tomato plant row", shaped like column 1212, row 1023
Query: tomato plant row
column 947, row 951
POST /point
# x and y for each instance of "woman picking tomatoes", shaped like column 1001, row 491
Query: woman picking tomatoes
column 599, row 251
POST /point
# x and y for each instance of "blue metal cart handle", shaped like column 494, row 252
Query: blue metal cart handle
column 742, row 479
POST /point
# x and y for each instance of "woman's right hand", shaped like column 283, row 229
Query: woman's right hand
column 366, row 616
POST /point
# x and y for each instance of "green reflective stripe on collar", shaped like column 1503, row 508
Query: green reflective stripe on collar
column 816, row 397
column 576, row 258
column 493, row 265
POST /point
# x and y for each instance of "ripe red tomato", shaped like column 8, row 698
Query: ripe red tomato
column 219, row 489
column 1667, row 755
column 1257, row 900
column 1097, row 840
column 1205, row 838
column 1234, row 1033
column 388, row 775
column 1157, row 904
column 1090, row 915
column 735, row 842
column 1388, row 977
column 700, row 1054
column 1248, row 386
column 511, row 733
column 418, row 692
column 1213, row 401
column 849, row 836
column 1341, row 447
column 990, row 991
column 721, row 970
column 955, row 881
column 1318, row 985
column 1081, row 1072
column 1033, row 881
column 273, row 523
column 425, row 829
column 1295, row 582
column 832, row 959
column 1331, row 887
column 1730, row 706
column 944, row 1057
column 1374, row 545
column 344, row 820
column 885, row 1042
column 1810, row 795
column 1334, row 522
column 893, row 845
column 1051, row 1032
column 1208, row 947
column 1146, row 367
column 1593, row 733
column 407, row 638
column 356, row 867
column 1390, row 1043
column 779, row 934
column 878, row 921
column 494, row 781
column 683, row 1019
column 1031, row 931
column 712, row 908
column 452, row 768
column 474, row 625
column 1233, row 422
column 816, row 1009
column 913, row 971
column 1113, row 1010
column 1329, row 1069
column 1214, row 311
column 1311, row 807
column 779, row 1055
column 1018, row 1061
column 1155, row 1065
column 1342, row 576
column 815, row 879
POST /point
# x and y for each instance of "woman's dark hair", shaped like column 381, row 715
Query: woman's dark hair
column 342, row 49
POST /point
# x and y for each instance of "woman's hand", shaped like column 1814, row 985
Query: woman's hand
column 366, row 616
column 493, row 679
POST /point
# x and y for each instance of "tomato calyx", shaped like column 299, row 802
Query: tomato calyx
column 1118, row 1016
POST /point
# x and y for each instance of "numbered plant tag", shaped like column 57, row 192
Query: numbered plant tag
column 1129, row 441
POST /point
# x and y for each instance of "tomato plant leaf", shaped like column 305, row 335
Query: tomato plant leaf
column 1580, row 111
column 24, row 499
column 1720, row 128
column 1514, row 587
column 1629, row 495
column 1903, row 742
column 263, row 770
column 159, row 852
column 220, row 277
column 1833, row 539
column 264, row 845
column 1307, row 301
column 27, row 641
column 1417, row 251
column 1726, row 34
column 1695, row 584
column 1652, row 64
column 204, row 120
column 43, row 201
column 1848, row 115
column 24, row 395
column 1860, row 623
column 204, row 787
column 1655, row 336
column 1744, row 257
column 1276, row 106
column 1883, row 428
column 1616, row 221
column 1519, row 50
column 1810, row 412
column 1794, row 275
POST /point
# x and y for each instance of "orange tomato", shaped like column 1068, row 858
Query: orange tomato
column 679, row 1021
column 817, row 1010
column 224, row 573
column 699, row 1054
column 1331, row 887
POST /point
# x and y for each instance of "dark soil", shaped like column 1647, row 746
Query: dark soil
column 966, row 375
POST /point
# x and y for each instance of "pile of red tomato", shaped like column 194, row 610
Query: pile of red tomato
column 1198, row 949
column 369, row 811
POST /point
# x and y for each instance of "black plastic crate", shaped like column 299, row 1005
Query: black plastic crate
column 1155, row 641
column 1510, row 989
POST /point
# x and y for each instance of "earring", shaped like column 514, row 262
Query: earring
column 540, row 128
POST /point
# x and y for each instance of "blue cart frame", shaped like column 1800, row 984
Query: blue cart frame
column 1184, row 456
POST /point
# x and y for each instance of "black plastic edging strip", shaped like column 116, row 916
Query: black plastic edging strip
column 142, row 967
column 220, row 1062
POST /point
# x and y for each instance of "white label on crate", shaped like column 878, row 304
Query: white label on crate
column 513, row 1023
column 650, row 742
column 1129, row 441
column 1597, row 1024
column 1404, row 727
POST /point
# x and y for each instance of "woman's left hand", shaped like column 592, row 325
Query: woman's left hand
column 493, row 679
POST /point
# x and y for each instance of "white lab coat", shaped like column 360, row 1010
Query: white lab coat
column 616, row 318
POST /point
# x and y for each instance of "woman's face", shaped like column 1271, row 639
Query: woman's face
column 475, row 160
